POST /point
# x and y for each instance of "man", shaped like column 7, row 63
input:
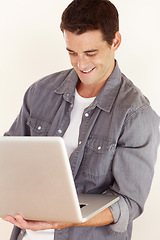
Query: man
column 114, row 144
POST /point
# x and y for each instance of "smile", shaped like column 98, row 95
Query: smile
column 88, row 71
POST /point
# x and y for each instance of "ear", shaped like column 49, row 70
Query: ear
column 116, row 41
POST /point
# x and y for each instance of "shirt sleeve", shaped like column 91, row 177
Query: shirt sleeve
column 133, row 166
column 19, row 126
column 120, row 214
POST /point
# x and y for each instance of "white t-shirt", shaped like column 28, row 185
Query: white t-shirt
column 71, row 142
column 72, row 133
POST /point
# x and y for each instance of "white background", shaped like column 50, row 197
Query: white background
column 32, row 46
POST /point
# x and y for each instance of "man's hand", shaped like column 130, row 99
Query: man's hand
column 20, row 222
column 103, row 218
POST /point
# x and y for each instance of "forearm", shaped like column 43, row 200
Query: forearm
column 103, row 218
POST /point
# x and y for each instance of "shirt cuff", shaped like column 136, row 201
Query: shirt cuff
column 120, row 214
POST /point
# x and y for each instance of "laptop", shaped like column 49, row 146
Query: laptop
column 36, row 182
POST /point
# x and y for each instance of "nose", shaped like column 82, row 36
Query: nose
column 82, row 63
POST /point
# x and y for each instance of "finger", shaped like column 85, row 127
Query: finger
column 20, row 222
column 9, row 219
column 15, row 220
column 32, row 225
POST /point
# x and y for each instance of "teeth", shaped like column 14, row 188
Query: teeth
column 88, row 71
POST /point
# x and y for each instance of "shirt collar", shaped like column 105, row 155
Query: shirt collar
column 67, row 87
column 108, row 94
column 104, row 100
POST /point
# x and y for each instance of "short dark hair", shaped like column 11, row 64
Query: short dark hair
column 84, row 15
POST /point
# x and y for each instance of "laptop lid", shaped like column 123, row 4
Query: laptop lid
column 37, row 183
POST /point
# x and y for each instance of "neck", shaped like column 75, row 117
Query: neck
column 87, row 91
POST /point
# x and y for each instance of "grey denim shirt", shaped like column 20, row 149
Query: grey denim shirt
column 117, row 150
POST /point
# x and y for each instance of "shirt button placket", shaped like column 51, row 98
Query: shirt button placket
column 86, row 115
column 60, row 131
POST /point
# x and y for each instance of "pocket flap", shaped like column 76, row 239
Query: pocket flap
column 101, row 145
column 38, row 126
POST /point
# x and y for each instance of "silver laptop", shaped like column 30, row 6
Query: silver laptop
column 36, row 182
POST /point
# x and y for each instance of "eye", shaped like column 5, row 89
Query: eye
column 90, row 54
column 72, row 53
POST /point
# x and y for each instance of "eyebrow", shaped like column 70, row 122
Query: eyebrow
column 87, row 51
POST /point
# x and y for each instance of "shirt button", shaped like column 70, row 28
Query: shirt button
column 86, row 115
column 39, row 128
column 22, row 232
column 59, row 131
column 99, row 148
column 80, row 142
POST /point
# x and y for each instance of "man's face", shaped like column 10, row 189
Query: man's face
column 91, row 57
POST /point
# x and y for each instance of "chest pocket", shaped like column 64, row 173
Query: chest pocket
column 38, row 127
column 98, row 156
